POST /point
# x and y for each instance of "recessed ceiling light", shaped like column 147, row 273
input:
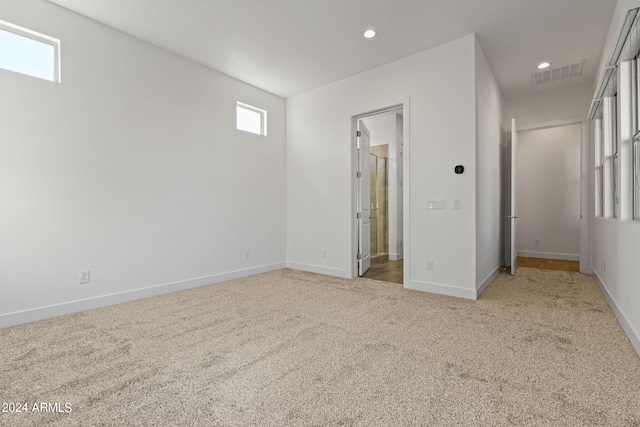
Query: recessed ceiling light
column 369, row 34
column 543, row 65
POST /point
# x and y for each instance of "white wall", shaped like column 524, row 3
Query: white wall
column 548, row 188
column 441, row 123
column 569, row 103
column 131, row 168
column 490, row 147
column 384, row 130
column 617, row 242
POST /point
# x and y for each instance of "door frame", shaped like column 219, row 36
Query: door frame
column 364, row 239
column 585, row 209
column 359, row 112
column 513, row 201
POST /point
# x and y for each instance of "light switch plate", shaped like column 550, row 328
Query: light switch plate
column 435, row 204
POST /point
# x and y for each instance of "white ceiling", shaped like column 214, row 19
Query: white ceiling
column 290, row 46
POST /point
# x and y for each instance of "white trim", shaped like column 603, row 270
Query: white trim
column 553, row 124
column 490, row 278
column 41, row 38
column 436, row 288
column 41, row 313
column 395, row 257
column 585, row 197
column 320, row 270
column 635, row 177
column 632, row 334
column 549, row 255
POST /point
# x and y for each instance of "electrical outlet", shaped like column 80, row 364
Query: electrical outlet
column 605, row 266
column 494, row 255
column 456, row 203
column 429, row 264
column 247, row 254
column 536, row 241
column 324, row 253
column 85, row 277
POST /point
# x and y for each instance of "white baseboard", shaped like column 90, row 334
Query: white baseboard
column 487, row 281
column 436, row 288
column 41, row 313
column 395, row 257
column 549, row 255
column 632, row 334
column 319, row 269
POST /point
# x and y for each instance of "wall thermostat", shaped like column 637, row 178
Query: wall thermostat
column 459, row 169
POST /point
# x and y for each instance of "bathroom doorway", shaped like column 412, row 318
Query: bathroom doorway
column 385, row 190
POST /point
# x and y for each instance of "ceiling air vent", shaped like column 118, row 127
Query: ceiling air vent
column 556, row 74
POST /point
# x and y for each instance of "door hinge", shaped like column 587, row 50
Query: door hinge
column 358, row 133
column 358, row 174
column 358, row 215
column 359, row 257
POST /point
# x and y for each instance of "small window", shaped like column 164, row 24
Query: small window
column 27, row 52
column 251, row 119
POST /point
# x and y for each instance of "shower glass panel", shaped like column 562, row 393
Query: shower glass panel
column 379, row 206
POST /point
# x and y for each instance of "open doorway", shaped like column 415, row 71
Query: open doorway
column 549, row 202
column 381, row 196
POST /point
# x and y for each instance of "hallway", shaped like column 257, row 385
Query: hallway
column 387, row 271
column 549, row 264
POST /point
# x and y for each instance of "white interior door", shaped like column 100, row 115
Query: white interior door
column 513, row 212
column 364, row 199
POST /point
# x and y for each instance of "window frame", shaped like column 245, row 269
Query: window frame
column 635, row 141
column 615, row 155
column 251, row 108
column 609, row 135
column 38, row 37
column 635, row 176
column 599, row 169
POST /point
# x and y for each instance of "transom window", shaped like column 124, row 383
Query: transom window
column 27, row 52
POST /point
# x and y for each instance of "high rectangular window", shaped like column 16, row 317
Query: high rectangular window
column 251, row 119
column 27, row 52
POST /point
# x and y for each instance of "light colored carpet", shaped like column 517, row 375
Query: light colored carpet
column 290, row 348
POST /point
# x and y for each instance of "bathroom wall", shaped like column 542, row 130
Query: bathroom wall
column 386, row 129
